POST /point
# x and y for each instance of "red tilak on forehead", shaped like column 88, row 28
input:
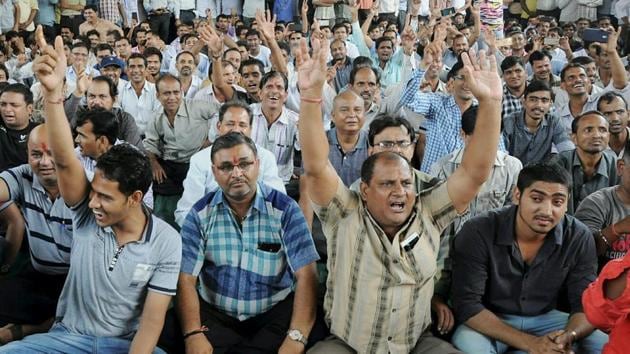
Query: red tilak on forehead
column 44, row 147
column 235, row 160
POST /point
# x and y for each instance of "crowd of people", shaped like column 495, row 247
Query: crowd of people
column 325, row 176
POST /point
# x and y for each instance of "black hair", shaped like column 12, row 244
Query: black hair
column 113, row 90
column 236, row 104
column 231, row 140
column 469, row 119
column 537, row 85
column 149, row 51
column 339, row 25
column 570, row 65
column 584, row 60
column 548, row 171
column 185, row 52
column 380, row 40
column 455, row 69
column 127, row 165
column 103, row 46
column 21, row 89
column 6, row 71
column 538, row 55
column 384, row 121
column 284, row 46
column 511, row 61
column 137, row 56
column 92, row 32
column 251, row 62
column 104, row 123
column 367, row 168
column 361, row 62
column 270, row 75
column 91, row 7
column 609, row 97
column 80, row 44
column 252, row 32
column 576, row 121
column 355, row 70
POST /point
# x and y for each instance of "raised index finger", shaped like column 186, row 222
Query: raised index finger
column 39, row 37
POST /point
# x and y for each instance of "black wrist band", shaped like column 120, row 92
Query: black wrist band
column 197, row 331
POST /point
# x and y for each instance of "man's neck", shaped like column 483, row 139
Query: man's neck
column 52, row 189
column 532, row 124
column 138, row 86
column 576, row 103
column 347, row 140
column 589, row 161
column 517, row 92
column 463, row 104
column 240, row 208
column 185, row 80
column 95, row 22
column 618, row 141
column 254, row 52
column 271, row 114
column 131, row 227
column 518, row 52
column 605, row 75
column 171, row 115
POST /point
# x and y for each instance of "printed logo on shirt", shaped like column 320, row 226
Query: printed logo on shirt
column 141, row 275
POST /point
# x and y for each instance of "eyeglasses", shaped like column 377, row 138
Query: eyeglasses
column 228, row 168
column 387, row 144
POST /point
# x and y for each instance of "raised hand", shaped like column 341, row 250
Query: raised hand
column 304, row 7
column 613, row 37
column 312, row 71
column 83, row 81
column 490, row 37
column 266, row 24
column 481, row 76
column 50, row 67
column 212, row 39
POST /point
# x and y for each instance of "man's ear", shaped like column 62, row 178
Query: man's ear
column 363, row 190
column 516, row 196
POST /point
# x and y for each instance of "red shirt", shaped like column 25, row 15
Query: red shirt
column 610, row 315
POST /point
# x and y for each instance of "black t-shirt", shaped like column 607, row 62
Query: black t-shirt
column 13, row 148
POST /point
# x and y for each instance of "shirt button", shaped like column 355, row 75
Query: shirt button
column 395, row 261
column 393, row 310
column 389, row 338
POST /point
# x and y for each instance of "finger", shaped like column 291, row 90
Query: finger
column 39, row 37
column 450, row 322
column 483, row 63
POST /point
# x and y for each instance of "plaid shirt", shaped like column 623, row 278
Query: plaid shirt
column 108, row 10
column 511, row 103
column 236, row 274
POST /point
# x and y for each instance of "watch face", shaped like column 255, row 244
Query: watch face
column 294, row 334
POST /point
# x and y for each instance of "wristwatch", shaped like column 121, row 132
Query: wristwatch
column 296, row 335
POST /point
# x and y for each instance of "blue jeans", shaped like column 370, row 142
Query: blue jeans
column 60, row 340
column 471, row 341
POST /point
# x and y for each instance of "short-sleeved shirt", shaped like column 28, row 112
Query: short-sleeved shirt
column 347, row 164
column 600, row 210
column 605, row 175
column 26, row 6
column 49, row 222
column 246, row 267
column 107, row 284
column 378, row 294
column 490, row 273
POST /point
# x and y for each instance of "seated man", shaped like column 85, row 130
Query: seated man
column 116, row 305
column 591, row 165
column 607, row 213
column 30, row 297
column 383, row 240
column 233, row 116
column 247, row 305
column 510, row 265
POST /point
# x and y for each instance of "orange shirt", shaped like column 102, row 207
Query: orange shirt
column 610, row 315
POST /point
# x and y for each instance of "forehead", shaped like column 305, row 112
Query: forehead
column 13, row 97
column 169, row 85
column 98, row 87
column 365, row 74
column 251, row 69
column 392, row 133
column 103, row 185
column 185, row 57
column 79, row 49
column 391, row 169
column 236, row 114
column 515, row 67
column 235, row 153
column 275, row 81
column 136, row 61
column 592, row 120
column 547, row 188
column 86, row 128
column 575, row 71
column 615, row 103
column 348, row 100
column 540, row 94
column 337, row 45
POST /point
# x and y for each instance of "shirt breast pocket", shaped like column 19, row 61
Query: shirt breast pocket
column 141, row 275
column 268, row 263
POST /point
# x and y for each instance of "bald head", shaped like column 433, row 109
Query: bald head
column 40, row 158
column 346, row 96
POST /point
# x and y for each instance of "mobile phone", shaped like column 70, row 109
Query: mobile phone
column 595, row 35
column 447, row 11
column 551, row 41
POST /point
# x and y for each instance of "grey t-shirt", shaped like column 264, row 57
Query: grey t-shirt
column 106, row 286
column 598, row 211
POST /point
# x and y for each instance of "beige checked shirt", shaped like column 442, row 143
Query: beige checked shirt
column 379, row 295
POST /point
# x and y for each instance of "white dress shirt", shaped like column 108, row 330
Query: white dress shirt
column 200, row 179
column 141, row 108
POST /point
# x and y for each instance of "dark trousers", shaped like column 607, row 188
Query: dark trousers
column 260, row 334
column 29, row 297
column 161, row 24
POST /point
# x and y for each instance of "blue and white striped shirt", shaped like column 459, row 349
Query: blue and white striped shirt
column 245, row 269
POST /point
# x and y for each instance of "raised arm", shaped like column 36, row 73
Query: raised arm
column 321, row 178
column 266, row 26
column 481, row 76
column 619, row 77
column 212, row 38
column 51, row 71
